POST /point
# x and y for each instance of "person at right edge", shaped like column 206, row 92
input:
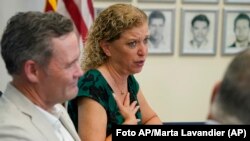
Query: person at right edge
column 230, row 100
column 115, row 49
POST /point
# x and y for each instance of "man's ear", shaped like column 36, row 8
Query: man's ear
column 105, row 47
column 215, row 91
column 31, row 70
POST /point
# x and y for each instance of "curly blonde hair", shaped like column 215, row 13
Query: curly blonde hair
column 108, row 26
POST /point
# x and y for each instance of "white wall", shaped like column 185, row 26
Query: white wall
column 7, row 9
column 177, row 87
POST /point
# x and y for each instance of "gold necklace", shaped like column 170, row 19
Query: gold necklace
column 122, row 93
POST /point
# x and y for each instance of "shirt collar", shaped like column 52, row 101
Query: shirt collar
column 53, row 116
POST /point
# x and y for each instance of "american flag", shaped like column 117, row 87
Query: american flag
column 80, row 11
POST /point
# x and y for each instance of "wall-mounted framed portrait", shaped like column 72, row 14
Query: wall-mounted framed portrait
column 198, row 32
column 200, row 1
column 157, row 1
column 237, row 1
column 236, row 31
column 161, row 27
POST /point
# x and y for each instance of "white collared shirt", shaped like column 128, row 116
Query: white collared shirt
column 60, row 131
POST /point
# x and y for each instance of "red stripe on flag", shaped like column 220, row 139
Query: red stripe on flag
column 76, row 17
column 48, row 7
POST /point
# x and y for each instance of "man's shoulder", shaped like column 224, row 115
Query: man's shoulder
column 12, row 121
column 16, row 123
column 13, row 128
column 233, row 45
column 6, row 106
column 10, row 114
column 248, row 45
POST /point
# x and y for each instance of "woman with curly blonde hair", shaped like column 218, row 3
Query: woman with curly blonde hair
column 116, row 49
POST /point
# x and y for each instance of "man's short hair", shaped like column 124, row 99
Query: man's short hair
column 156, row 14
column 200, row 17
column 242, row 16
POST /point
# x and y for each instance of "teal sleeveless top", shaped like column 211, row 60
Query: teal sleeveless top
column 93, row 85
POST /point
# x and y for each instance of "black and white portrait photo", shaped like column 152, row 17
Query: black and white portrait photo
column 236, row 31
column 199, row 32
column 161, row 26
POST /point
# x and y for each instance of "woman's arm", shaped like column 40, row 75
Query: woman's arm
column 92, row 120
column 148, row 114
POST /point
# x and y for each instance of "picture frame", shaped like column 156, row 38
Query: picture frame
column 158, row 1
column 232, row 31
column 200, row 1
column 161, row 24
column 199, row 32
column 237, row 1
